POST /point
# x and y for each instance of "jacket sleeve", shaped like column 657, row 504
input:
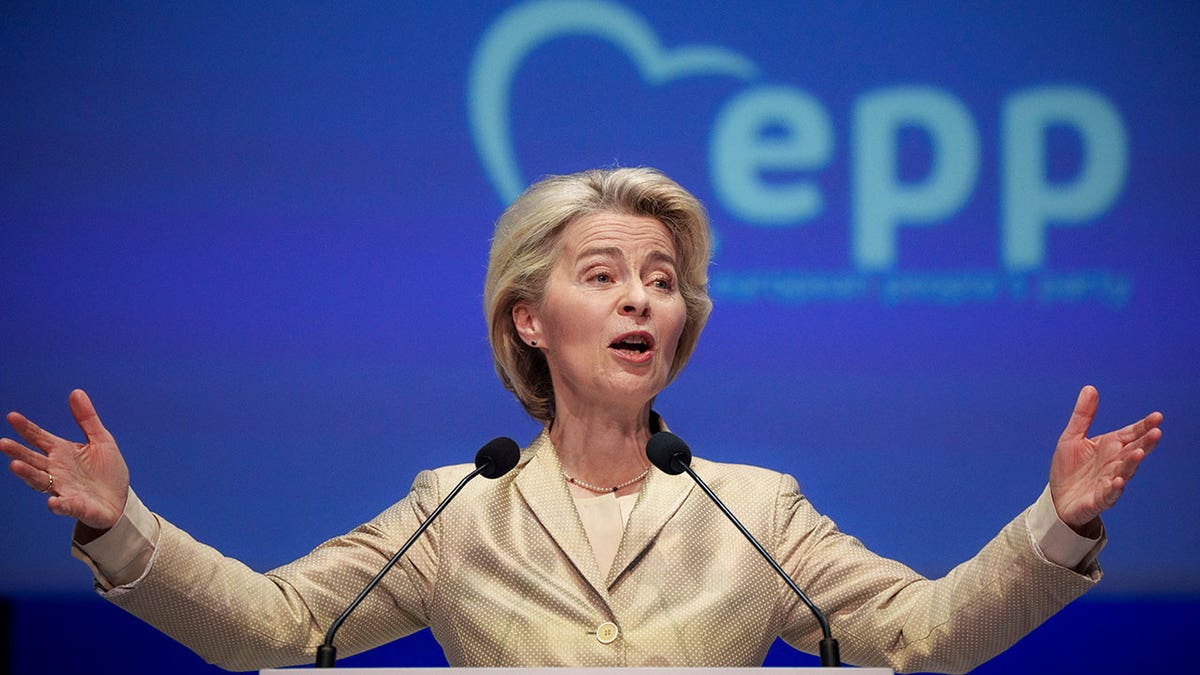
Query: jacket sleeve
column 240, row 619
column 884, row 614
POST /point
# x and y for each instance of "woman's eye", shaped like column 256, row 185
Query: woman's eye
column 663, row 284
column 603, row 277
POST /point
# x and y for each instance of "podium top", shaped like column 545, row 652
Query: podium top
column 591, row 671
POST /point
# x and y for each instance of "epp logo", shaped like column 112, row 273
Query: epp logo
column 800, row 142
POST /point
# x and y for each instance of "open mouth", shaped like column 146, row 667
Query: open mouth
column 637, row 343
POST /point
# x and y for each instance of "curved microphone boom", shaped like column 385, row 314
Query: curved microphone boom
column 672, row 456
column 493, row 460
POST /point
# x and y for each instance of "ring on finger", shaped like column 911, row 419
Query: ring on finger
column 49, row 485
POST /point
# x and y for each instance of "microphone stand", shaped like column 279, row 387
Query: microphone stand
column 327, row 653
column 830, row 656
column 496, row 458
column 672, row 456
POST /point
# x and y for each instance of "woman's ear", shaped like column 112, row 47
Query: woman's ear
column 527, row 324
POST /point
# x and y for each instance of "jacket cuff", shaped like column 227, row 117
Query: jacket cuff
column 121, row 556
column 1055, row 541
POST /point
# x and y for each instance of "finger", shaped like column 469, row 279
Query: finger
column 1115, row 489
column 17, row 452
column 37, row 479
column 61, row 506
column 86, row 417
column 1083, row 414
column 1129, row 464
column 79, row 509
column 1140, row 427
column 33, row 434
column 1146, row 443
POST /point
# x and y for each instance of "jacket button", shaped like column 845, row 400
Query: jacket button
column 606, row 632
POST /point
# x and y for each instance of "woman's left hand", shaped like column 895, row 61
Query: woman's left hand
column 1088, row 475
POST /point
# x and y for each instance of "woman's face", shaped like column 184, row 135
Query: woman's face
column 612, row 315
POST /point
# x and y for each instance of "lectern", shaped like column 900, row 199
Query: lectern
column 594, row 671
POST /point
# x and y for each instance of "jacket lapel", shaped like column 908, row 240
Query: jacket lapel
column 541, row 485
column 660, row 498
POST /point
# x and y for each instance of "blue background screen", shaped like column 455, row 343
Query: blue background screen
column 256, row 234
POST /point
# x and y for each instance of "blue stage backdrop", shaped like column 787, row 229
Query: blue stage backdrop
column 256, row 234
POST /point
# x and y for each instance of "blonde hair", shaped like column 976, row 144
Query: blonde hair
column 525, row 248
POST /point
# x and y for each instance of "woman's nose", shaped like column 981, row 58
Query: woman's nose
column 636, row 301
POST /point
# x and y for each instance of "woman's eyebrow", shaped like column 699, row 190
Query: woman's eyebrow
column 601, row 252
column 655, row 256
column 659, row 256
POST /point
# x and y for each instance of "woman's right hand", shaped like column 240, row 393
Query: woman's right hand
column 85, row 481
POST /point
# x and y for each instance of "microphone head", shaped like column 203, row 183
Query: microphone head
column 668, row 452
column 497, row 457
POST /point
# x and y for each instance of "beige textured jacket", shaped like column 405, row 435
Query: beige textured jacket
column 506, row 577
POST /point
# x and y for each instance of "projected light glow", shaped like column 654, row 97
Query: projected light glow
column 256, row 235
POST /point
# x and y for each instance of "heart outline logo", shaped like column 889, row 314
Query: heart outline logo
column 521, row 29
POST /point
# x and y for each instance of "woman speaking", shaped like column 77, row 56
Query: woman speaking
column 583, row 555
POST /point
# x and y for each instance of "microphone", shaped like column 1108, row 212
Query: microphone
column 672, row 456
column 493, row 460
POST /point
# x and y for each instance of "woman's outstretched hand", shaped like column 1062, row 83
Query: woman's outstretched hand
column 1088, row 475
column 85, row 481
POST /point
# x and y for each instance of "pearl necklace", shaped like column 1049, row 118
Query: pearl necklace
column 595, row 488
